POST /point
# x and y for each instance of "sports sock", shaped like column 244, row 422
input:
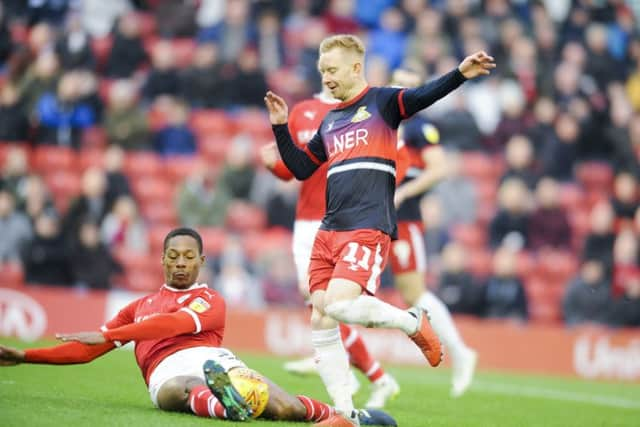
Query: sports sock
column 371, row 312
column 333, row 366
column 359, row 355
column 316, row 410
column 442, row 324
column 204, row 404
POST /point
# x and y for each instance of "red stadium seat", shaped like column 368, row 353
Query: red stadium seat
column 557, row 266
column 11, row 275
column 148, row 280
column 19, row 31
column 258, row 243
column 64, row 186
column 572, row 197
column 142, row 163
column 211, row 123
column 178, row 168
column 156, row 237
column 470, row 235
column 525, row 264
column 91, row 158
column 153, row 190
column 255, row 123
column 147, row 24
column 94, row 138
column 157, row 118
column 214, row 148
column 160, row 213
column 214, row 239
column 545, row 312
column 245, row 217
column 595, row 176
column 487, row 191
column 101, row 47
column 479, row 165
column 184, row 49
column 52, row 158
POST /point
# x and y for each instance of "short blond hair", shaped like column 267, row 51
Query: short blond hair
column 344, row 41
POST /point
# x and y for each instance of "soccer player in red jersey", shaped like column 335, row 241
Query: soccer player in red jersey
column 427, row 167
column 177, row 333
column 358, row 140
column 304, row 120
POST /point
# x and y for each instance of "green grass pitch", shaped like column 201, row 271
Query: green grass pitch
column 111, row 392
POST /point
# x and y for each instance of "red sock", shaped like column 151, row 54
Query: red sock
column 358, row 354
column 204, row 404
column 316, row 411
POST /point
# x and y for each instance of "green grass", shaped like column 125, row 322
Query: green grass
column 111, row 392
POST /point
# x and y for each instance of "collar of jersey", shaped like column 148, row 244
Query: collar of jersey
column 190, row 288
column 354, row 100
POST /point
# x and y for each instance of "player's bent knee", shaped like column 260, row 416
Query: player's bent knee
column 338, row 310
column 173, row 395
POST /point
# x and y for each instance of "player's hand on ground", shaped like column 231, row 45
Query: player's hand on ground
column 278, row 109
column 83, row 337
column 478, row 64
column 269, row 155
column 10, row 356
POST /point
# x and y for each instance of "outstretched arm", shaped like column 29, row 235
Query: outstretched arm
column 416, row 99
column 436, row 169
column 157, row 327
column 299, row 161
column 63, row 354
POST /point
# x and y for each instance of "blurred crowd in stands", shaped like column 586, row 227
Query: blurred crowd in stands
column 121, row 119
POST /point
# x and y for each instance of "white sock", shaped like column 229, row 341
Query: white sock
column 372, row 313
column 442, row 324
column 332, row 362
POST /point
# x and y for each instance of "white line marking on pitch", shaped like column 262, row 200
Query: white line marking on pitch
column 547, row 393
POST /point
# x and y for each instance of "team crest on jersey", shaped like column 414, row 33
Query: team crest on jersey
column 199, row 305
column 431, row 133
column 361, row 115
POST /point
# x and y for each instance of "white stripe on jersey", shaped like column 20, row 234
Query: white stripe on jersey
column 103, row 328
column 362, row 165
column 195, row 317
column 375, row 270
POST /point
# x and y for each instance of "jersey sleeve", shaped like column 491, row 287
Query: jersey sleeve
column 124, row 317
column 302, row 162
column 67, row 354
column 315, row 147
column 208, row 311
column 387, row 99
column 396, row 104
column 281, row 171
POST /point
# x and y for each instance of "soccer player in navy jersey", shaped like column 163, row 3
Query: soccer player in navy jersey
column 427, row 167
column 358, row 140
column 177, row 333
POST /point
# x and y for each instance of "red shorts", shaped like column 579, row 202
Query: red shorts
column 408, row 253
column 357, row 255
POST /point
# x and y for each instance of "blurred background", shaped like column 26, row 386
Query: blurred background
column 122, row 119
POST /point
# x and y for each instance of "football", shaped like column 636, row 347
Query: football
column 252, row 387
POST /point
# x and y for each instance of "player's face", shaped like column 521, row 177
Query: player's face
column 339, row 70
column 181, row 261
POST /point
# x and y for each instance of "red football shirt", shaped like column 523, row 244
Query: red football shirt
column 304, row 120
column 205, row 306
